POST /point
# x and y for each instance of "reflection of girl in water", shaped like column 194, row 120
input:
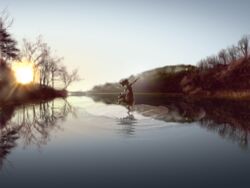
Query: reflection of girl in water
column 127, row 96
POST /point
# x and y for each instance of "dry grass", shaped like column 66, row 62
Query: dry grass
column 233, row 94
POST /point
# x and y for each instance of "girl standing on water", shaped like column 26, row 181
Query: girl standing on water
column 127, row 96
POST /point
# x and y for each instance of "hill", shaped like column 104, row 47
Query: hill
column 220, row 80
column 231, row 80
column 160, row 80
column 226, row 74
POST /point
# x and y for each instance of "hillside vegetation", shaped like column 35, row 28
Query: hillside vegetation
column 226, row 74
column 161, row 80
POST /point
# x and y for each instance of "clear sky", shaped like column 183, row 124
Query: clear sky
column 111, row 39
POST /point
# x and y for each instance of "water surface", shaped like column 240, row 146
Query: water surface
column 93, row 142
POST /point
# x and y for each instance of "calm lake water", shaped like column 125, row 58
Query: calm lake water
column 91, row 142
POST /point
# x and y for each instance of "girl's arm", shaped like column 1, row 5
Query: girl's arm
column 134, row 81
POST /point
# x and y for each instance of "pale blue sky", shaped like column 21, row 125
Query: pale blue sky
column 109, row 40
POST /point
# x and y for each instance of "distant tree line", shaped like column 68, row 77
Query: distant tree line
column 226, row 72
column 49, row 67
column 227, row 56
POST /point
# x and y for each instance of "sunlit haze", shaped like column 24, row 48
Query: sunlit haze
column 24, row 72
column 109, row 40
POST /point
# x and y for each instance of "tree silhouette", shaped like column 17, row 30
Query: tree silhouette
column 48, row 65
column 243, row 45
column 67, row 77
column 8, row 49
column 223, row 56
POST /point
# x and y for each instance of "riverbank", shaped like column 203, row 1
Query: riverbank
column 31, row 93
column 223, row 95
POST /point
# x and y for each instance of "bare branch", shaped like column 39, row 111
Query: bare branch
column 243, row 46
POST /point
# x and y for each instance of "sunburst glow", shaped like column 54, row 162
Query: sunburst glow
column 24, row 72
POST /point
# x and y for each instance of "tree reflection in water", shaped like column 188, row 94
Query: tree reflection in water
column 228, row 118
column 31, row 123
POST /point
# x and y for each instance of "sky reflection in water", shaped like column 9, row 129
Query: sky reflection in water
column 165, row 141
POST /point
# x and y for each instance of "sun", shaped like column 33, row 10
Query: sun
column 24, row 72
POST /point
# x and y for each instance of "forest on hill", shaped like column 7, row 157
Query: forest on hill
column 224, row 74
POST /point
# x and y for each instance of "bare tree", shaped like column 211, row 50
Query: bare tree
column 68, row 78
column 209, row 62
column 233, row 53
column 202, row 64
column 243, row 45
column 54, row 69
column 35, row 51
column 223, row 56
column 48, row 65
column 45, row 62
column 230, row 55
column 212, row 61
